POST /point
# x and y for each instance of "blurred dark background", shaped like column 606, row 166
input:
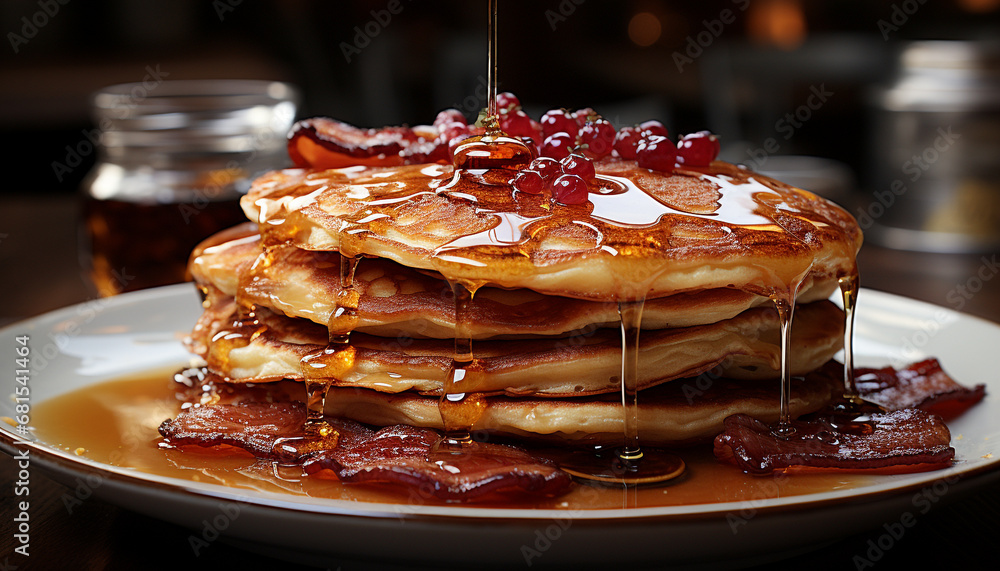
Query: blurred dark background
column 734, row 66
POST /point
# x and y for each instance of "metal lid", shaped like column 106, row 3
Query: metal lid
column 945, row 76
column 197, row 115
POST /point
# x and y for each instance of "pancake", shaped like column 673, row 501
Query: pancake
column 395, row 300
column 669, row 414
column 644, row 234
column 273, row 347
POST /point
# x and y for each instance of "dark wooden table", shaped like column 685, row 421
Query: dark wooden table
column 41, row 272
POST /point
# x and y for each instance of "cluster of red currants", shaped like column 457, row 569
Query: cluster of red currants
column 568, row 179
column 571, row 141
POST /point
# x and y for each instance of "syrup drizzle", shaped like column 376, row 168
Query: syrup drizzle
column 323, row 366
column 849, row 285
column 630, row 314
column 460, row 406
column 745, row 204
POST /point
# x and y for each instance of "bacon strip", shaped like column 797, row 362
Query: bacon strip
column 252, row 426
column 898, row 438
column 403, row 454
column 325, row 143
column 395, row 454
column 922, row 385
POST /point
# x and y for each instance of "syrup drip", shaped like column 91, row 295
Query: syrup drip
column 344, row 317
column 631, row 317
column 849, row 285
column 785, row 305
column 460, row 407
column 491, row 72
column 851, row 409
column 335, row 361
column 495, row 149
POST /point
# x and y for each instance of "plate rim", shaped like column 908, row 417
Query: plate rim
column 54, row 458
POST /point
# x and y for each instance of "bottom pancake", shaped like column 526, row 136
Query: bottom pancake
column 681, row 412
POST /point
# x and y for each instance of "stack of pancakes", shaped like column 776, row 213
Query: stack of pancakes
column 347, row 277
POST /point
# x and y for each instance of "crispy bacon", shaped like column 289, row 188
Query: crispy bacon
column 908, row 437
column 922, row 385
column 252, row 426
column 325, row 143
column 396, row 454
column 404, row 454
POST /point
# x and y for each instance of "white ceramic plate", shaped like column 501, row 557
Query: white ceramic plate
column 99, row 340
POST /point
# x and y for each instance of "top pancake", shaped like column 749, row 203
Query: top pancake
column 642, row 233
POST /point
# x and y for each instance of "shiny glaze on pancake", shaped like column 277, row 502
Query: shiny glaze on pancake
column 395, row 300
column 273, row 347
column 642, row 233
column 670, row 414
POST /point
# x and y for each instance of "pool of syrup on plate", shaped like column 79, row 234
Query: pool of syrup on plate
column 115, row 422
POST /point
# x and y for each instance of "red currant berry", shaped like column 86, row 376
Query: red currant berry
column 547, row 167
column 579, row 165
column 517, row 123
column 507, row 101
column 583, row 116
column 697, row 149
column 449, row 116
column 558, row 121
column 556, row 146
column 599, row 136
column 570, row 189
column 653, row 128
column 449, row 131
column 626, row 142
column 531, row 144
column 528, row 181
column 657, row 153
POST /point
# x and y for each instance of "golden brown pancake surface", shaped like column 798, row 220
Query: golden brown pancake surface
column 395, row 300
column 273, row 347
column 681, row 412
column 642, row 233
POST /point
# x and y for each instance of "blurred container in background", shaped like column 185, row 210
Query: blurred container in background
column 935, row 182
column 175, row 158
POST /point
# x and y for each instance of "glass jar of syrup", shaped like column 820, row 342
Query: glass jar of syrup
column 175, row 157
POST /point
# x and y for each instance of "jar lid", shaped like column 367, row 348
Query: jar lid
column 947, row 76
column 198, row 115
